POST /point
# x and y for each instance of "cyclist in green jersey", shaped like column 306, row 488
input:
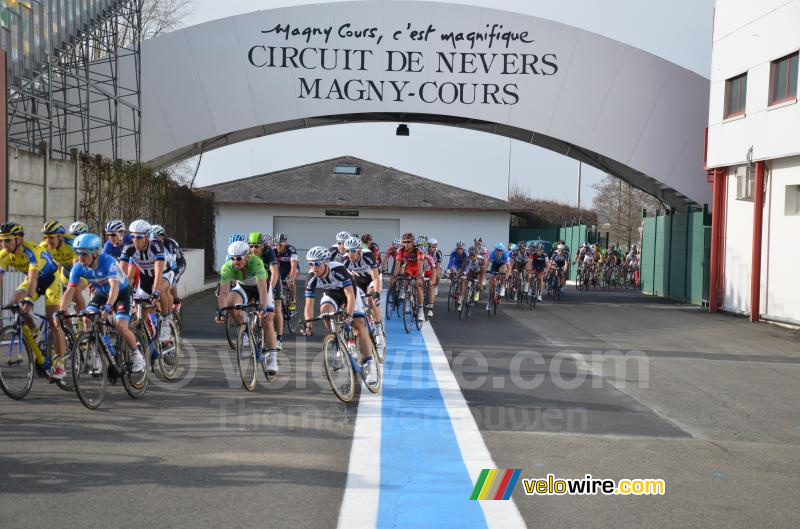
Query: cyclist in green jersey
column 251, row 284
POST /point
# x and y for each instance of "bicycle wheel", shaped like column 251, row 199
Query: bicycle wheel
column 69, row 340
column 290, row 317
column 247, row 365
column 135, row 384
column 230, row 330
column 258, row 334
column 390, row 297
column 89, row 372
column 338, row 369
column 450, row 293
column 408, row 310
column 16, row 363
column 169, row 357
column 380, row 351
column 376, row 387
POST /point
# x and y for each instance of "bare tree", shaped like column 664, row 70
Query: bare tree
column 546, row 212
column 620, row 205
column 163, row 16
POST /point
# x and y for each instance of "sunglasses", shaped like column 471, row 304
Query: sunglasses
column 6, row 241
column 51, row 237
column 138, row 236
column 238, row 258
column 317, row 263
column 255, row 246
column 408, row 242
column 352, row 251
column 113, row 234
column 83, row 253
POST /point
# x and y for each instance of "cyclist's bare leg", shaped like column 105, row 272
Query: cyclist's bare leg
column 364, row 343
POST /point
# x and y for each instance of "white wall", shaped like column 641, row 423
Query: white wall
column 447, row 227
column 747, row 37
column 780, row 286
column 738, row 251
column 193, row 279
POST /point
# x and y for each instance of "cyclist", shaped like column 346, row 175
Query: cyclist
column 175, row 259
column 519, row 262
column 337, row 251
column 499, row 260
column 391, row 254
column 339, row 291
column 471, row 272
column 372, row 247
column 362, row 266
column 484, row 252
column 59, row 245
column 247, row 270
column 538, row 265
column 287, row 267
column 261, row 246
column 409, row 261
column 117, row 239
column 429, row 273
column 112, row 292
column 78, row 227
column 458, row 257
column 42, row 279
column 560, row 261
column 149, row 260
column 438, row 257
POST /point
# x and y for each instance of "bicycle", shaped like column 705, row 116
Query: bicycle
column 148, row 332
column 288, row 315
column 466, row 298
column 494, row 298
column 408, row 294
column 100, row 356
column 250, row 359
column 393, row 301
column 452, row 294
column 553, row 282
column 21, row 355
column 340, row 369
column 534, row 290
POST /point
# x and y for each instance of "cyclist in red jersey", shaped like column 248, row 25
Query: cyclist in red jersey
column 408, row 260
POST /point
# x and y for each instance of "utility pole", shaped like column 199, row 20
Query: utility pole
column 580, row 166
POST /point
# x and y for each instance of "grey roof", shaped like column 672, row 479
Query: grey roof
column 377, row 186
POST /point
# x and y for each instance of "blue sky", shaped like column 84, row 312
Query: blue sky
column 678, row 30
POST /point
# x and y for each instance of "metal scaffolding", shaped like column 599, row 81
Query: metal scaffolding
column 74, row 76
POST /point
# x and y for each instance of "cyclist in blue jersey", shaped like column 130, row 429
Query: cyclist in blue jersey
column 499, row 261
column 458, row 257
column 111, row 290
column 560, row 261
column 117, row 238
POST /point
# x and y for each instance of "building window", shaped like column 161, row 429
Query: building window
column 792, row 200
column 346, row 169
column 735, row 95
column 783, row 79
column 745, row 182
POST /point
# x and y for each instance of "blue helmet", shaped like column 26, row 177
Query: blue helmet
column 499, row 246
column 87, row 241
column 235, row 237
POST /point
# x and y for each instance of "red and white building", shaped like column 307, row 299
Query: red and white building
column 753, row 160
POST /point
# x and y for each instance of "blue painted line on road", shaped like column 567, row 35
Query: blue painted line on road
column 424, row 482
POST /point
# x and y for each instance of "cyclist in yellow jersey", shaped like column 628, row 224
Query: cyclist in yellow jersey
column 59, row 245
column 42, row 278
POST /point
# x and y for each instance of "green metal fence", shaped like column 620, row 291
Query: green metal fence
column 533, row 234
column 675, row 256
column 573, row 236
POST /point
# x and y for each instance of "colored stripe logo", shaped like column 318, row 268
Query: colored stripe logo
column 495, row 484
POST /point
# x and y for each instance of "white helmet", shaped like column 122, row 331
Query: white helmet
column 238, row 248
column 561, row 247
column 432, row 242
column 78, row 227
column 341, row 237
column 317, row 253
column 353, row 243
column 139, row 226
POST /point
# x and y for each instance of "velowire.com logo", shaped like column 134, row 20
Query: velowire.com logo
column 495, row 484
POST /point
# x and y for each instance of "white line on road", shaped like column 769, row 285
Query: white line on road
column 476, row 456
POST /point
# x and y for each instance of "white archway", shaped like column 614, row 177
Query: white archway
column 605, row 103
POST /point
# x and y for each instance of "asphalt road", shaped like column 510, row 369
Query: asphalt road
column 706, row 402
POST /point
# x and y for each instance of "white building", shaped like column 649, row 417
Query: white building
column 313, row 202
column 753, row 157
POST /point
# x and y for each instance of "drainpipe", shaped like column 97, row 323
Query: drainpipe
column 758, row 219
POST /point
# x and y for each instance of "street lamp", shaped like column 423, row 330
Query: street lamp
column 402, row 130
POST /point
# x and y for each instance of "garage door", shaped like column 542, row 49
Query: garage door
column 305, row 232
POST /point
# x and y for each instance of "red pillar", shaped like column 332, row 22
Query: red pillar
column 3, row 140
column 717, row 219
column 758, row 220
